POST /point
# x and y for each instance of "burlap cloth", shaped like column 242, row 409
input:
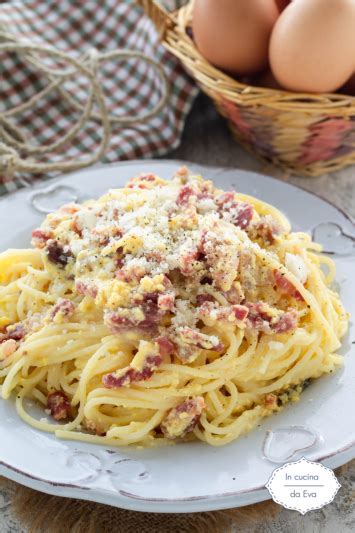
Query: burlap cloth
column 23, row 509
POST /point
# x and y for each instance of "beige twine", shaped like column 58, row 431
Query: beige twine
column 17, row 154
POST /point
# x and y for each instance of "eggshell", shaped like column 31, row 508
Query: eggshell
column 312, row 46
column 234, row 35
column 349, row 87
column 281, row 4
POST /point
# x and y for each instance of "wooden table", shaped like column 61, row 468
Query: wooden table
column 207, row 141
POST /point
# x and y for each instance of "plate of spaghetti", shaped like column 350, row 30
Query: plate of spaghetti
column 168, row 335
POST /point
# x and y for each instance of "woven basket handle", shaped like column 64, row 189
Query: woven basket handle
column 158, row 15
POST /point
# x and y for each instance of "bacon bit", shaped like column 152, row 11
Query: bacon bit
column 206, row 191
column 64, row 307
column 225, row 198
column 118, row 320
column 270, row 401
column 266, row 229
column 233, row 314
column 259, row 317
column 166, row 302
column 102, row 235
column 242, row 215
column 56, row 254
column 86, row 288
column 131, row 273
column 112, row 381
column 286, row 286
column 166, row 347
column 15, row 334
column 74, row 225
column 187, row 262
column 8, row 348
column 262, row 318
column 202, row 298
column 142, row 367
column 182, row 171
column 200, row 340
column 154, row 256
column 185, row 194
column 287, row 322
column 142, row 181
column 183, row 418
column 238, row 213
column 58, row 405
column 118, row 323
column 240, row 312
column 92, row 426
column 70, row 208
column 40, row 238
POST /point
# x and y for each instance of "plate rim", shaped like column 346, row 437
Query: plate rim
column 125, row 499
column 48, row 182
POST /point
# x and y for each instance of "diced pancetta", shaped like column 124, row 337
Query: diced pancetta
column 166, row 347
column 131, row 273
column 143, row 317
column 194, row 337
column 166, row 302
column 56, row 253
column 86, row 288
column 65, row 308
column 233, row 314
column 144, row 181
column 270, row 401
column 58, row 405
column 266, row 229
column 287, row 322
column 185, row 193
column 182, row 171
column 188, row 262
column 70, row 209
column 286, row 286
column 40, row 238
column 238, row 213
column 262, row 317
column 202, row 298
column 183, row 418
column 15, row 333
column 142, row 367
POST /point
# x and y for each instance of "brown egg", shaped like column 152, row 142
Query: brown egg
column 281, row 4
column 234, row 35
column 312, row 46
column 349, row 87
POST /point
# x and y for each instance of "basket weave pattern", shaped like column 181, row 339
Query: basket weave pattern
column 308, row 134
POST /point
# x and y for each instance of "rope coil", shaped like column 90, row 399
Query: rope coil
column 17, row 153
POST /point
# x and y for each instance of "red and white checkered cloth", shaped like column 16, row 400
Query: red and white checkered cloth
column 130, row 87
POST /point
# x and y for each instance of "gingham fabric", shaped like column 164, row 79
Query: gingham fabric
column 130, row 87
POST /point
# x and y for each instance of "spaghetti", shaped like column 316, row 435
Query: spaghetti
column 163, row 311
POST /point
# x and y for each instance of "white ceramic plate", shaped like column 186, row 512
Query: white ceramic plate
column 190, row 477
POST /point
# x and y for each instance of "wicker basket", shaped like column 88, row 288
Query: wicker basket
column 307, row 134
